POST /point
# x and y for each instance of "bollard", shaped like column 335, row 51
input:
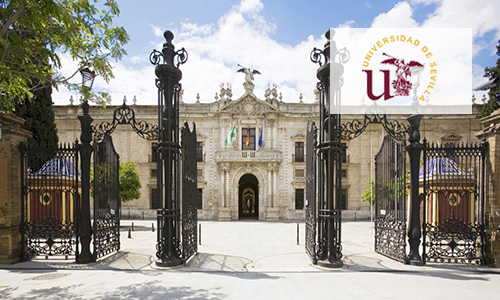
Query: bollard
column 297, row 233
column 129, row 233
column 143, row 215
column 132, row 226
column 199, row 234
column 129, row 214
column 355, row 217
column 153, row 227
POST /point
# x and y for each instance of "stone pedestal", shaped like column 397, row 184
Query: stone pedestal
column 491, row 132
column 224, row 214
column 272, row 214
column 11, row 135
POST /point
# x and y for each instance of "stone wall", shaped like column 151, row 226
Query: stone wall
column 491, row 132
column 11, row 135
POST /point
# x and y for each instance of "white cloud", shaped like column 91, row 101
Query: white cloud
column 243, row 36
column 399, row 16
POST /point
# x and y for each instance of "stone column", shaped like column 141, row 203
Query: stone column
column 272, row 212
column 11, row 135
column 224, row 209
column 491, row 133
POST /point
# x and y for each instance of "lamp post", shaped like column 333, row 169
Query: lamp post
column 85, row 149
column 168, row 180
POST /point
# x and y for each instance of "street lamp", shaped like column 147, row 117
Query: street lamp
column 85, row 149
column 88, row 77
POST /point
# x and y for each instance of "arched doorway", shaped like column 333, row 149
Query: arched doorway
column 248, row 197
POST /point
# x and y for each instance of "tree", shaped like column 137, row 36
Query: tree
column 39, row 118
column 492, row 73
column 386, row 189
column 128, row 177
column 129, row 182
column 33, row 34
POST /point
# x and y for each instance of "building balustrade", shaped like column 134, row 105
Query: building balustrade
column 248, row 155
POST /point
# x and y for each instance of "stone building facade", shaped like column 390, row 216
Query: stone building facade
column 251, row 179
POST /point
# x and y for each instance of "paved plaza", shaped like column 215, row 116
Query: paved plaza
column 246, row 260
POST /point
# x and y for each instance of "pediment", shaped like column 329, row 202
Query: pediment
column 299, row 182
column 452, row 137
column 248, row 105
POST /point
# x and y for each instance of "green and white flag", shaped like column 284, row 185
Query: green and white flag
column 230, row 136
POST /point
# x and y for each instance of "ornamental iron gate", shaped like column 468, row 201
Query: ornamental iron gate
column 453, row 192
column 390, row 189
column 311, row 192
column 189, row 193
column 50, row 201
column 106, row 225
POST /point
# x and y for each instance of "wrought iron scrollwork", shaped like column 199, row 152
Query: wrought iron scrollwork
column 395, row 129
column 317, row 56
column 181, row 56
column 126, row 115
column 156, row 57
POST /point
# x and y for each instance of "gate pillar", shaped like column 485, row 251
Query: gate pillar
column 85, row 149
column 11, row 135
column 329, row 148
column 415, row 230
column 168, row 180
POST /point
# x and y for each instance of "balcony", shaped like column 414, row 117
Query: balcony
column 249, row 156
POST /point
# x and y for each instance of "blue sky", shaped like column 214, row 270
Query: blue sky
column 274, row 36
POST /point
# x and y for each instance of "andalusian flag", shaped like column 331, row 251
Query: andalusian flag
column 230, row 136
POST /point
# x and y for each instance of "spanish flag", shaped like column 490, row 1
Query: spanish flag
column 247, row 141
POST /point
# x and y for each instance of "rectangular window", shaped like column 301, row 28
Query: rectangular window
column 154, row 173
column 154, row 199
column 299, row 199
column 344, row 152
column 154, row 152
column 299, row 151
column 299, row 173
column 344, row 173
column 199, row 200
column 199, row 151
column 248, row 139
column 343, row 199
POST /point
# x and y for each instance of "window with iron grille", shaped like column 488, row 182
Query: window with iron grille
column 343, row 199
column 299, row 199
column 299, row 151
column 154, row 173
column 199, row 200
column 250, row 134
column 154, row 152
column 154, row 199
column 199, row 151
column 344, row 152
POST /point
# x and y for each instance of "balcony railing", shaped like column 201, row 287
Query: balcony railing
column 244, row 155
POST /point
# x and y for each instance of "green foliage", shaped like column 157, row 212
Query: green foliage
column 385, row 189
column 39, row 118
column 492, row 73
column 129, row 182
column 33, row 35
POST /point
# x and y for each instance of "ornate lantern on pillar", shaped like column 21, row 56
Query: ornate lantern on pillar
column 168, row 180
column 330, row 151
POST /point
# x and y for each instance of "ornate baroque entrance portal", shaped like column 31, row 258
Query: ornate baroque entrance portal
column 248, row 197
